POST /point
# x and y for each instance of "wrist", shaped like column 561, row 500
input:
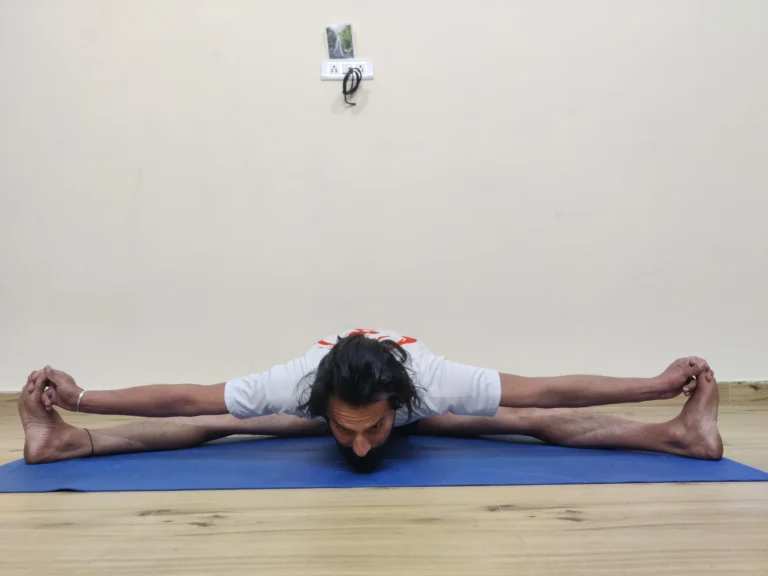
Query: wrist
column 654, row 388
column 87, row 402
column 78, row 402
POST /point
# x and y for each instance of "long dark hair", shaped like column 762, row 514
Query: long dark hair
column 359, row 371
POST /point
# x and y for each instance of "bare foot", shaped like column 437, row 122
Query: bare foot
column 695, row 429
column 47, row 438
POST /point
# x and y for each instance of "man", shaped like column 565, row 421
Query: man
column 364, row 385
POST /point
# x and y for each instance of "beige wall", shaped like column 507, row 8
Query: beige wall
column 539, row 187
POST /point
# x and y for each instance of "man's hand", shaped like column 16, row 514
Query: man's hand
column 681, row 376
column 60, row 388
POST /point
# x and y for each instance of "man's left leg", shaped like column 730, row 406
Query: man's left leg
column 693, row 433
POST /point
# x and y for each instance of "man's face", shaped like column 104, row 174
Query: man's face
column 361, row 431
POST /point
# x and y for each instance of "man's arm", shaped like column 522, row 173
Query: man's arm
column 581, row 391
column 159, row 400
column 573, row 391
column 153, row 401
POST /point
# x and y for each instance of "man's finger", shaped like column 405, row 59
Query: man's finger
column 698, row 362
column 53, row 396
column 694, row 367
column 54, row 375
column 688, row 369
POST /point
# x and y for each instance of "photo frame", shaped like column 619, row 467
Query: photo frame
column 341, row 45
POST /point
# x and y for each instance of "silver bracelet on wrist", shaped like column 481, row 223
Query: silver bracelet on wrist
column 78, row 400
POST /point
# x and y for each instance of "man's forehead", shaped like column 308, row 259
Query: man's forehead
column 345, row 414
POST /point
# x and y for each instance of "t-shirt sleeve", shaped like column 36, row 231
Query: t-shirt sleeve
column 278, row 390
column 451, row 387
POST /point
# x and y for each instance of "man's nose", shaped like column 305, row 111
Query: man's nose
column 361, row 446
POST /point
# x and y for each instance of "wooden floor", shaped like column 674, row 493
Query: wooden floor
column 681, row 529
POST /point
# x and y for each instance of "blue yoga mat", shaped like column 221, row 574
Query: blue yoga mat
column 315, row 463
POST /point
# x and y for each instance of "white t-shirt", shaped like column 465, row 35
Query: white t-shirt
column 444, row 386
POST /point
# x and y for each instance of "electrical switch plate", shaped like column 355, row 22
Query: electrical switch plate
column 337, row 69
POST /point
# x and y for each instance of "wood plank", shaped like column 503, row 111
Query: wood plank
column 664, row 530
column 748, row 393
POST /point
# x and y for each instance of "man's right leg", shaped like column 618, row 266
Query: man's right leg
column 47, row 438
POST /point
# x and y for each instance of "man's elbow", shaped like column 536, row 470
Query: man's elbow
column 522, row 392
column 205, row 400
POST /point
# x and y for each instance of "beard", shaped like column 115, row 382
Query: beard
column 368, row 463
column 364, row 464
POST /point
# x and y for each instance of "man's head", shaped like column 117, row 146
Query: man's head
column 357, row 388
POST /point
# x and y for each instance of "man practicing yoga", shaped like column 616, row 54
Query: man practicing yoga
column 362, row 386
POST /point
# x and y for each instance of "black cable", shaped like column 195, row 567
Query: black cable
column 354, row 76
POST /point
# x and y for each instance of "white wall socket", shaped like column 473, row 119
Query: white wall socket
column 336, row 69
